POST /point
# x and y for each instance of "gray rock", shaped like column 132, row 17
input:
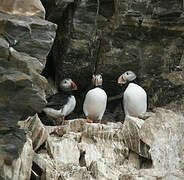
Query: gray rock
column 19, row 168
column 117, row 36
column 80, row 150
column 25, row 42
column 163, row 132
column 19, row 8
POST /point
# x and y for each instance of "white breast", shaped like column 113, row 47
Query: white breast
column 69, row 107
column 66, row 110
column 134, row 100
column 95, row 103
column 52, row 112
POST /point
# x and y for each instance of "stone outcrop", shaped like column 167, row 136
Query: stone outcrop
column 25, row 41
column 137, row 149
column 163, row 132
column 108, row 36
column 20, row 7
column 20, row 168
column 113, row 36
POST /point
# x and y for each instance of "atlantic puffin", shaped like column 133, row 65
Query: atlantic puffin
column 63, row 102
column 135, row 97
column 95, row 101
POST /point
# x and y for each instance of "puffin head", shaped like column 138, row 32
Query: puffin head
column 67, row 85
column 126, row 77
column 97, row 80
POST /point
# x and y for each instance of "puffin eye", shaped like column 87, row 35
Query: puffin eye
column 65, row 82
column 127, row 73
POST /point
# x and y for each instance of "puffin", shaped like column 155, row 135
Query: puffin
column 95, row 101
column 134, row 100
column 62, row 103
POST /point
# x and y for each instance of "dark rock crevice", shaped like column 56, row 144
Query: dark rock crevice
column 63, row 17
column 36, row 172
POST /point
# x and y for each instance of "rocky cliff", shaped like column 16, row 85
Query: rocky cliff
column 133, row 150
column 25, row 41
column 113, row 36
column 43, row 42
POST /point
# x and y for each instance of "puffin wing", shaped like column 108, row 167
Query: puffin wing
column 57, row 101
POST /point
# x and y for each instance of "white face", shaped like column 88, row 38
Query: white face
column 97, row 80
column 129, row 76
column 67, row 85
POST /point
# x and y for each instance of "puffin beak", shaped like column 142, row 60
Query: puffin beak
column 122, row 79
column 96, row 81
column 73, row 86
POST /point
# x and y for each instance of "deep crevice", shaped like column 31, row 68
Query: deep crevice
column 36, row 172
column 145, row 163
column 50, row 67
column 63, row 18
column 82, row 160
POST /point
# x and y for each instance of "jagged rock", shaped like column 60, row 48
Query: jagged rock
column 20, row 168
column 66, row 172
column 23, row 8
column 47, row 165
column 163, row 132
column 101, row 170
column 79, row 150
column 72, row 126
column 72, row 152
column 26, row 35
column 117, row 35
column 93, row 36
column 25, row 41
column 134, row 160
column 114, row 150
column 152, row 174
column 39, row 133
column 60, row 149
column 4, row 48
column 102, row 140
column 130, row 135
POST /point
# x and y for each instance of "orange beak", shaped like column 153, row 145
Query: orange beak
column 74, row 86
column 96, row 81
column 122, row 79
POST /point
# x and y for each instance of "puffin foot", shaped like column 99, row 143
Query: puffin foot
column 89, row 120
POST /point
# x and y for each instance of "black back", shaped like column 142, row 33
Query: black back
column 58, row 100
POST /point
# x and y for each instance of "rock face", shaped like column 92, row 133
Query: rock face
column 108, row 36
column 20, row 7
column 20, row 168
column 150, row 149
column 25, row 41
column 114, row 36
column 164, row 133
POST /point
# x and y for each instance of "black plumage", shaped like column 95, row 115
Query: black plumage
column 58, row 100
column 62, row 103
